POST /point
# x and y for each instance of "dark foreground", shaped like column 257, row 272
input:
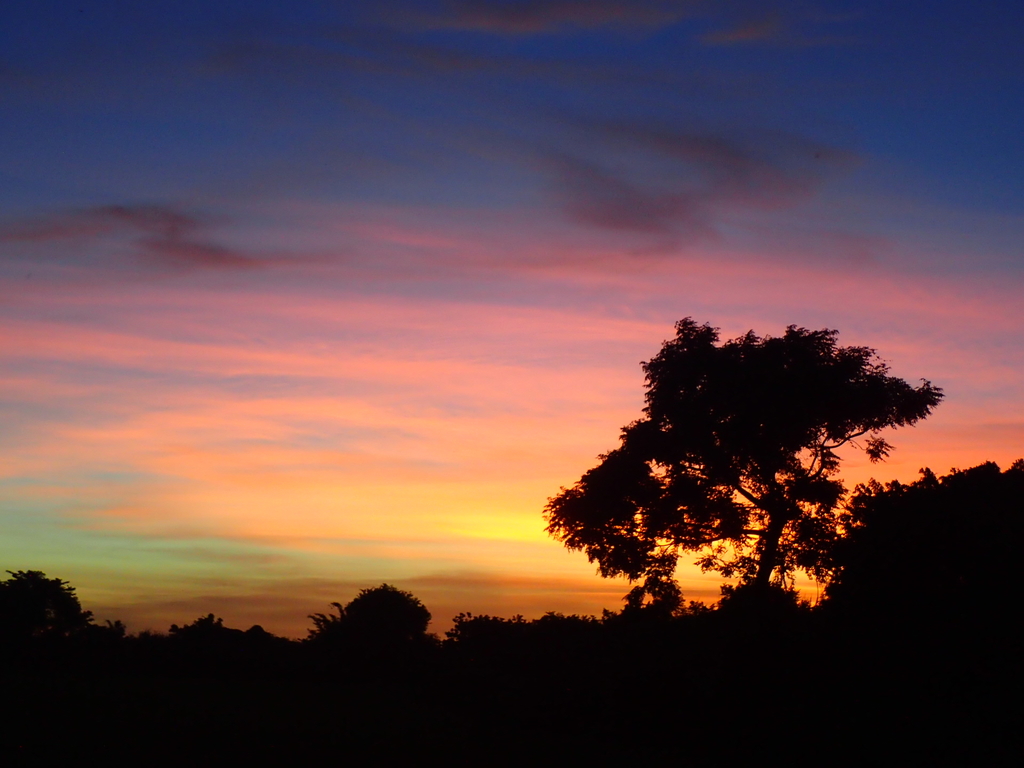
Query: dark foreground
column 696, row 690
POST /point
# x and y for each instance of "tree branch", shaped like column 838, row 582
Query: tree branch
column 845, row 440
column 750, row 497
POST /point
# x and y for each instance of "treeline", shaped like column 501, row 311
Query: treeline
column 914, row 650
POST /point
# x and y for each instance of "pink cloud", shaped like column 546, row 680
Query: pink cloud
column 645, row 178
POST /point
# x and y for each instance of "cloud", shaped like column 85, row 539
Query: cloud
column 740, row 21
column 750, row 31
column 662, row 179
column 160, row 234
column 533, row 16
column 340, row 54
column 796, row 29
column 596, row 197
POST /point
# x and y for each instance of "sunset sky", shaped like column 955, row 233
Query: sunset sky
column 301, row 298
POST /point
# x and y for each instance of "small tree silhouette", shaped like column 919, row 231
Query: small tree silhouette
column 384, row 615
column 32, row 605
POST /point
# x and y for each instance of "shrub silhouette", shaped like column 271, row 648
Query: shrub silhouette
column 381, row 615
column 204, row 626
column 940, row 546
column 33, row 606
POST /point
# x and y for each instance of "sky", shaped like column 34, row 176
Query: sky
column 296, row 299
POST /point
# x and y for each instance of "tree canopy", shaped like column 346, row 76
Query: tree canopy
column 381, row 614
column 736, row 457
column 941, row 546
column 33, row 605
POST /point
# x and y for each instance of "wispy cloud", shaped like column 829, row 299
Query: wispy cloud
column 774, row 28
column 162, row 235
column 748, row 31
column 663, row 179
column 735, row 21
column 532, row 16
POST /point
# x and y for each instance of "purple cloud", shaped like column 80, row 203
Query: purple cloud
column 737, row 21
column 749, row 31
column 662, row 180
column 532, row 16
column 160, row 234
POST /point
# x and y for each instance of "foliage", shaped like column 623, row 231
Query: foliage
column 385, row 613
column 484, row 632
column 750, row 602
column 736, row 457
column 33, row 605
column 942, row 546
column 204, row 626
column 327, row 625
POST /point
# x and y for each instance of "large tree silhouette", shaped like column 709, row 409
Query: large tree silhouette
column 736, row 457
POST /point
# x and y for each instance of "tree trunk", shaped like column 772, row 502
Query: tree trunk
column 769, row 557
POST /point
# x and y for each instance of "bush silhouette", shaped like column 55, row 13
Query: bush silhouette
column 380, row 615
column 34, row 606
column 941, row 546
